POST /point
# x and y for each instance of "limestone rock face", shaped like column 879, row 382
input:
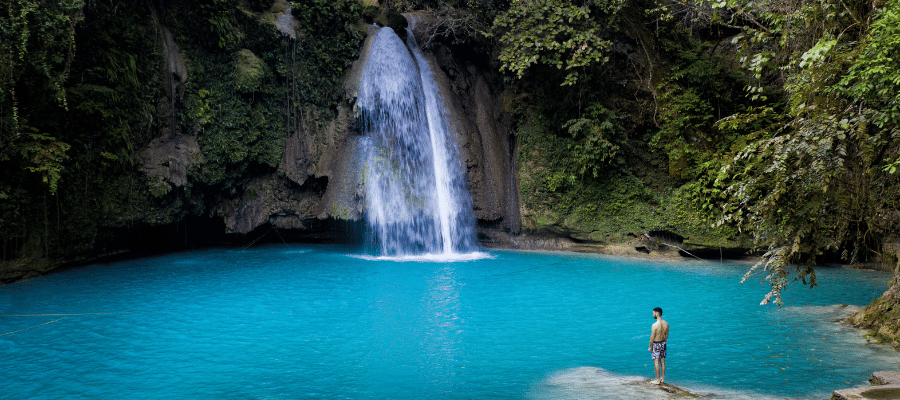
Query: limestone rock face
column 270, row 199
column 319, row 177
column 166, row 161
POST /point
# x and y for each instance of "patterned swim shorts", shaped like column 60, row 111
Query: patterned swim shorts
column 658, row 350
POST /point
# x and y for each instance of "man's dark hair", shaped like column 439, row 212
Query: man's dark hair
column 659, row 310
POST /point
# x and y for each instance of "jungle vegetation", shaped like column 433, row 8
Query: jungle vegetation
column 771, row 125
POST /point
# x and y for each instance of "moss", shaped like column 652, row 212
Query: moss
column 882, row 316
column 370, row 12
column 249, row 71
column 392, row 19
column 23, row 268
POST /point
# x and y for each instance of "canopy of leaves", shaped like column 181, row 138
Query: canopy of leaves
column 557, row 33
column 812, row 178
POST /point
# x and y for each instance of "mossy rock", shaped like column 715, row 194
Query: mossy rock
column 394, row 20
column 370, row 13
column 882, row 316
column 249, row 71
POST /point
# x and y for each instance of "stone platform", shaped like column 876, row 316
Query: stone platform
column 885, row 386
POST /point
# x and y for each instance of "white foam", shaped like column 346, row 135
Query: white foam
column 438, row 258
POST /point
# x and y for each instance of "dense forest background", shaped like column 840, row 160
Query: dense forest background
column 770, row 125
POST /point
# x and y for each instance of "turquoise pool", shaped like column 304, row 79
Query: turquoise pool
column 321, row 322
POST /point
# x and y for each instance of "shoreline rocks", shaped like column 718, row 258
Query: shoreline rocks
column 885, row 386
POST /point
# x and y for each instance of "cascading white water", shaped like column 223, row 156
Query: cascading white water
column 416, row 199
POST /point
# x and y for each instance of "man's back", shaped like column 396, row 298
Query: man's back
column 660, row 331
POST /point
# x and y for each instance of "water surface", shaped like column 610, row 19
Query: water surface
column 321, row 322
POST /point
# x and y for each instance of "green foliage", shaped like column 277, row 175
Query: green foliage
column 802, row 162
column 37, row 38
column 245, row 117
column 592, row 147
column 580, row 148
column 327, row 50
column 47, row 155
column 697, row 89
column 556, row 33
column 319, row 17
column 596, row 199
column 239, row 134
column 874, row 75
column 220, row 23
column 838, row 132
column 36, row 51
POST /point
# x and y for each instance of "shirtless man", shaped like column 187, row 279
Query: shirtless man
column 659, row 333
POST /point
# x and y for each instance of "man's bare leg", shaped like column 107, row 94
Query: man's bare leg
column 662, row 368
column 656, row 369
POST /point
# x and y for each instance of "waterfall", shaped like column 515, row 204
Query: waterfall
column 416, row 198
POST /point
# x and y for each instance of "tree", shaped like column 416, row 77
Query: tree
column 812, row 180
column 556, row 33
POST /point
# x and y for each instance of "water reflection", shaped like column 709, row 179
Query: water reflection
column 443, row 338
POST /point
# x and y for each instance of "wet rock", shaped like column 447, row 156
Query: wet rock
column 673, row 390
column 319, row 149
column 883, row 392
column 284, row 19
column 394, row 20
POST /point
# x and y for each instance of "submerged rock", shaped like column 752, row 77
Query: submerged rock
column 598, row 383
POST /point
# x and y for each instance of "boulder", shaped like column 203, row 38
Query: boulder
column 394, row 20
column 885, row 378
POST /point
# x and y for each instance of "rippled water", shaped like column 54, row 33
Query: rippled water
column 322, row 322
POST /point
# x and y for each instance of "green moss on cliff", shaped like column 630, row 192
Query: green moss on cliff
column 249, row 71
column 565, row 192
column 243, row 93
column 882, row 316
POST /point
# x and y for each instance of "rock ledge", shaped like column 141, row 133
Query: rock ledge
column 886, row 386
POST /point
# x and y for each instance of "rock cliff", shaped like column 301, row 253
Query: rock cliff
column 318, row 177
